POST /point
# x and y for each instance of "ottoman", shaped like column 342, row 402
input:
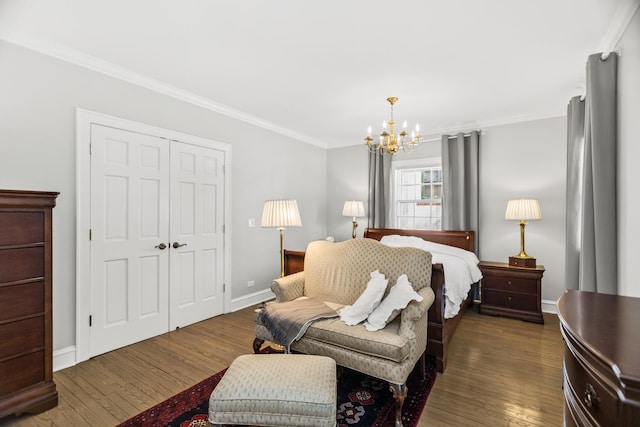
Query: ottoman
column 276, row 390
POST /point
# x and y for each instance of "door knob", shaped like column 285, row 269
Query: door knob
column 161, row 246
column 177, row 245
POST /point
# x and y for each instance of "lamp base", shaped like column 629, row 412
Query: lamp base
column 515, row 261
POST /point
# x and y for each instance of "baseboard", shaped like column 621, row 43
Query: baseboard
column 251, row 299
column 64, row 358
column 549, row 306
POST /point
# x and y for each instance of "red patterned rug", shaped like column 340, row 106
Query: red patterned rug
column 362, row 401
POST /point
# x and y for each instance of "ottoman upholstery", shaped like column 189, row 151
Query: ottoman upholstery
column 276, row 390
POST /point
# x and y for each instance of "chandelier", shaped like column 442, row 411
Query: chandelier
column 389, row 141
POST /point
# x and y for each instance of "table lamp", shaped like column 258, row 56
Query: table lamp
column 522, row 210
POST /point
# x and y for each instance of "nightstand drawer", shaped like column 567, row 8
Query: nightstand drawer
column 510, row 284
column 511, row 300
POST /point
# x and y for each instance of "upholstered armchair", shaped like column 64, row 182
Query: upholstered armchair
column 338, row 274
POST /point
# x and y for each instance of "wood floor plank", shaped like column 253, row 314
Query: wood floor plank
column 500, row 372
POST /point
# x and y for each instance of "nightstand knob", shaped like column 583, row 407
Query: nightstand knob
column 509, row 282
column 509, row 298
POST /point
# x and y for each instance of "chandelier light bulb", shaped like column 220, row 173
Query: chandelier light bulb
column 384, row 125
column 417, row 128
column 404, row 125
column 369, row 131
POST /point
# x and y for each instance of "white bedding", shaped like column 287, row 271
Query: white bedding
column 460, row 266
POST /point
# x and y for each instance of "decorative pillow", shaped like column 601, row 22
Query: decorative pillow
column 400, row 295
column 366, row 302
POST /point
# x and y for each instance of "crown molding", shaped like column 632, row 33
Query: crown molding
column 617, row 26
column 98, row 65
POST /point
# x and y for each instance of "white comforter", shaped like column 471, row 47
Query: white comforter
column 460, row 266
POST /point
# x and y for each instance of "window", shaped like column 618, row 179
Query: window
column 417, row 195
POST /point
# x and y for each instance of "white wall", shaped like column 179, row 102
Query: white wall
column 39, row 97
column 523, row 159
column 347, row 179
column 628, row 156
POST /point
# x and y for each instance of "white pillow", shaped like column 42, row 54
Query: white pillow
column 400, row 295
column 370, row 298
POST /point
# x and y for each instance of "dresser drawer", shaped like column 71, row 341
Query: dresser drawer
column 512, row 300
column 21, row 337
column 26, row 227
column 21, row 372
column 510, row 284
column 592, row 396
column 21, row 264
column 21, row 300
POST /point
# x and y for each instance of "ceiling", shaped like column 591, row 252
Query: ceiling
column 321, row 71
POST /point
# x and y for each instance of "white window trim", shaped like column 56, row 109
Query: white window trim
column 406, row 164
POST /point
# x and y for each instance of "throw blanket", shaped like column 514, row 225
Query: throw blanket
column 288, row 321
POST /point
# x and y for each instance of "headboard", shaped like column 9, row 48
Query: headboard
column 459, row 239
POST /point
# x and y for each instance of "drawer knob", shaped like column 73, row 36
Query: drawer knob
column 509, row 282
column 509, row 298
column 590, row 397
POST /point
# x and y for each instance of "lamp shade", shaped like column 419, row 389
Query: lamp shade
column 281, row 214
column 353, row 208
column 523, row 209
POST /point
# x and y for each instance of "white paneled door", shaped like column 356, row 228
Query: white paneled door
column 196, row 263
column 156, row 244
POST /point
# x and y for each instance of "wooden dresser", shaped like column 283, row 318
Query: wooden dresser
column 511, row 291
column 601, row 359
column 26, row 349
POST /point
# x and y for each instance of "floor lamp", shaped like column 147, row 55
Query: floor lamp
column 281, row 214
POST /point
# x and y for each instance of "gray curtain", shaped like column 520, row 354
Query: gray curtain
column 460, row 182
column 379, row 183
column 575, row 169
column 596, row 222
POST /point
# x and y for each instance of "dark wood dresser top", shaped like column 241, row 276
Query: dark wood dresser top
column 609, row 326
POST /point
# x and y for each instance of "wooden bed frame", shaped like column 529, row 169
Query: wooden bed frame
column 440, row 331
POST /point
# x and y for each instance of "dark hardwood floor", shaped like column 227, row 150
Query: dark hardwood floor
column 501, row 372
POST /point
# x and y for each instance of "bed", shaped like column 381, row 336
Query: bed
column 440, row 329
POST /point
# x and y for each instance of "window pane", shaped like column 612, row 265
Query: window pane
column 405, row 222
column 437, row 191
column 426, row 192
column 423, row 210
column 406, row 209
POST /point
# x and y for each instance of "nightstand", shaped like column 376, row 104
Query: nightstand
column 511, row 291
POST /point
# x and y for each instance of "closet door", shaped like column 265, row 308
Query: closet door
column 130, row 238
column 197, row 245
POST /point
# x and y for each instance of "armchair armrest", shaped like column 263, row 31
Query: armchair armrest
column 415, row 311
column 288, row 288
